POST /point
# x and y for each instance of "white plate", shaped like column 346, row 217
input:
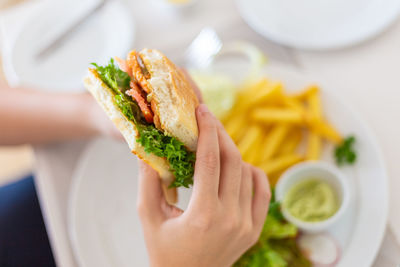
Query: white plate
column 104, row 227
column 319, row 24
column 108, row 32
column 103, row 224
column 103, row 221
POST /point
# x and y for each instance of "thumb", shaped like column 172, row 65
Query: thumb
column 150, row 199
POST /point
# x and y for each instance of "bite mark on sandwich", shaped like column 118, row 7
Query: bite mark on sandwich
column 131, row 86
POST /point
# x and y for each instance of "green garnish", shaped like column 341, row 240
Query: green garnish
column 115, row 78
column 276, row 246
column 345, row 153
column 275, row 207
column 181, row 161
column 129, row 108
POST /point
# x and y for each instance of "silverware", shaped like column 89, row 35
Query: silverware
column 62, row 37
column 203, row 49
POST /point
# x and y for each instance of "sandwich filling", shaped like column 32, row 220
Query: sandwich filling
column 132, row 95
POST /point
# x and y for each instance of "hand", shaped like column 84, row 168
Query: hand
column 224, row 218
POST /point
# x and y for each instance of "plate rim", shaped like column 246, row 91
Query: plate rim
column 379, row 28
column 77, row 176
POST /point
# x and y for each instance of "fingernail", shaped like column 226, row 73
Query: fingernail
column 202, row 109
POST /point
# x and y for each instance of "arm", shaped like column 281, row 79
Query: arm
column 28, row 116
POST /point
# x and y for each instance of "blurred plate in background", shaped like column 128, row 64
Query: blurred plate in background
column 103, row 223
column 110, row 31
column 316, row 24
column 104, row 227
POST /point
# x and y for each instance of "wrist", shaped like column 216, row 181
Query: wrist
column 97, row 121
column 86, row 112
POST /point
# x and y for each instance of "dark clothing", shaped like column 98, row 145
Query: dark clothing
column 23, row 237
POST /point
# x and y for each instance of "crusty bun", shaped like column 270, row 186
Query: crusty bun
column 175, row 99
column 104, row 96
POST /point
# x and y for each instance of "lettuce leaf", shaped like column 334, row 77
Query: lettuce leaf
column 181, row 161
column 129, row 108
column 274, row 259
column 276, row 246
column 115, row 78
column 277, row 229
column 289, row 251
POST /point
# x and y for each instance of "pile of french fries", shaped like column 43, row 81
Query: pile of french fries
column 268, row 125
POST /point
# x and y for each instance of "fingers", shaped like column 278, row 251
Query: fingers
column 150, row 195
column 171, row 211
column 262, row 196
column 246, row 187
column 207, row 169
column 231, row 167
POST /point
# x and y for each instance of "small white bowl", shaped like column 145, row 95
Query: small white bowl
column 321, row 171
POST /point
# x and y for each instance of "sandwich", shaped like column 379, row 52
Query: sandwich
column 153, row 105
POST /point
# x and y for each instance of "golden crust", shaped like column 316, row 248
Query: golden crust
column 177, row 113
column 186, row 96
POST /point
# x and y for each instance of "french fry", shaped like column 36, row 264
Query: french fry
column 280, row 163
column 274, row 177
column 252, row 137
column 245, row 94
column 302, row 95
column 326, row 131
column 294, row 104
column 314, row 103
column 253, row 156
column 268, row 126
column 263, row 93
column 236, row 127
column 314, row 142
column 251, row 89
column 241, row 104
column 273, row 141
column 278, row 115
column 290, row 143
column 272, row 93
column 236, row 111
column 313, row 146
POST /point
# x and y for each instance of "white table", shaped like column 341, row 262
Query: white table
column 367, row 74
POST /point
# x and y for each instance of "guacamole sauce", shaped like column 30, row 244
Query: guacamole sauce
column 311, row 200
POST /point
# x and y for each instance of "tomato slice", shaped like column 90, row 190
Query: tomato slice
column 123, row 65
column 142, row 102
column 133, row 64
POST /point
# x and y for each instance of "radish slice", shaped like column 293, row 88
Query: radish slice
column 321, row 249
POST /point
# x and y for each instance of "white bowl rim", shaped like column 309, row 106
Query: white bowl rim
column 324, row 166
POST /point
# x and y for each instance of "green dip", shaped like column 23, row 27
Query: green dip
column 311, row 200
